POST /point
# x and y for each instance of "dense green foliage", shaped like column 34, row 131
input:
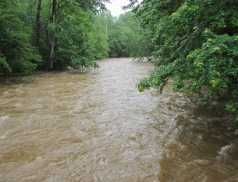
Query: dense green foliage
column 126, row 37
column 196, row 42
column 74, row 35
column 17, row 56
column 57, row 34
column 76, row 42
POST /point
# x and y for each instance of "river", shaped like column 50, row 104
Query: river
column 96, row 126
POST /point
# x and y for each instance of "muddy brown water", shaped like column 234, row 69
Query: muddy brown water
column 96, row 126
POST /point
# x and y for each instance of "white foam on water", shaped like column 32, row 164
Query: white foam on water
column 4, row 136
column 227, row 152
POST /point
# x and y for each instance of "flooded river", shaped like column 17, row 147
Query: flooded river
column 96, row 126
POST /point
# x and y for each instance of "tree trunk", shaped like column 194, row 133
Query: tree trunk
column 52, row 44
column 38, row 24
column 32, row 5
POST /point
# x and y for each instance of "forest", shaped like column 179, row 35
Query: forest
column 40, row 35
column 193, row 41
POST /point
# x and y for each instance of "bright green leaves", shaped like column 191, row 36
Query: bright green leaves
column 144, row 84
column 214, row 83
column 158, row 78
column 178, row 84
column 215, row 64
column 195, row 42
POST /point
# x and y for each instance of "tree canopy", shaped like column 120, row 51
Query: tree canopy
column 126, row 37
column 55, row 34
column 16, row 52
column 62, row 32
column 196, row 43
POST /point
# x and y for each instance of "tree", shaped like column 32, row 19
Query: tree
column 57, row 8
column 195, row 41
column 51, row 42
column 38, row 24
column 126, row 37
column 102, row 23
column 17, row 55
column 76, row 44
column 64, row 32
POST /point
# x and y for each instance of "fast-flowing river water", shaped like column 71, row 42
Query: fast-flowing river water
column 96, row 126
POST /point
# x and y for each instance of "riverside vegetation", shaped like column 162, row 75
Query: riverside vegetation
column 39, row 35
column 194, row 41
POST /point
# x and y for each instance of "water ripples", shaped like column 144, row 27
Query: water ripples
column 96, row 126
